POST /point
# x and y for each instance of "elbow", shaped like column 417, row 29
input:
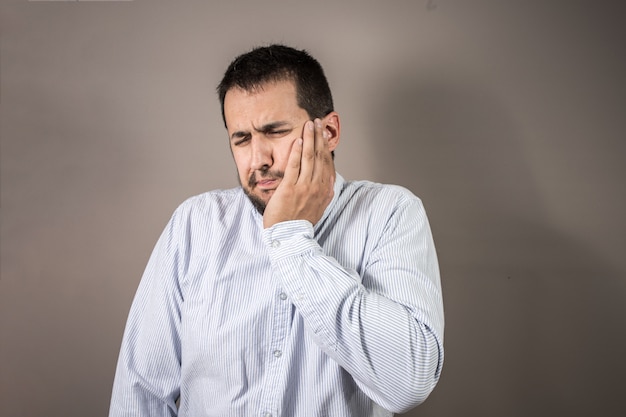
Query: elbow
column 407, row 398
column 413, row 388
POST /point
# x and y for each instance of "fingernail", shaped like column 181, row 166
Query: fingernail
column 309, row 125
column 318, row 123
column 325, row 134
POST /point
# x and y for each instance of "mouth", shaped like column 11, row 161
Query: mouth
column 268, row 181
column 267, row 184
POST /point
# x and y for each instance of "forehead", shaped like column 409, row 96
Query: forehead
column 266, row 103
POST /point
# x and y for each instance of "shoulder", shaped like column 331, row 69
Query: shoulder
column 379, row 194
column 211, row 200
column 213, row 204
column 382, row 204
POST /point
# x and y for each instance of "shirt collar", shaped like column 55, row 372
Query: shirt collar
column 338, row 187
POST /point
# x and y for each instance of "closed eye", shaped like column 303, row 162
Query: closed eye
column 278, row 133
column 239, row 140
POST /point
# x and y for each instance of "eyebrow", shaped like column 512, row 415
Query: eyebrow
column 263, row 129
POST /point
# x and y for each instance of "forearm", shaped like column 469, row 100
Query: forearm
column 148, row 370
column 386, row 344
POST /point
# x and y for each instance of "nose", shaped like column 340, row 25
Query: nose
column 261, row 158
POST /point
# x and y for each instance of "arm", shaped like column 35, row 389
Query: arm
column 384, row 327
column 148, row 370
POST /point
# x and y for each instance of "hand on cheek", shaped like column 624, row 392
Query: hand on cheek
column 307, row 187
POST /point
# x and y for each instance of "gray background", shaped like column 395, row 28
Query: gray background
column 506, row 117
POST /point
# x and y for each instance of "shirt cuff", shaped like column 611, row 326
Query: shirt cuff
column 289, row 238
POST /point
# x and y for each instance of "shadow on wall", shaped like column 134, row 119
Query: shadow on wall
column 534, row 320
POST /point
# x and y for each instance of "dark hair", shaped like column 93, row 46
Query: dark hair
column 280, row 63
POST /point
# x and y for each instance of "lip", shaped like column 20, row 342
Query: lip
column 267, row 184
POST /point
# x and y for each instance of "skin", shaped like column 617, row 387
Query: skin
column 283, row 159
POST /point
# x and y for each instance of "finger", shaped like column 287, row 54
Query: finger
column 292, row 171
column 307, row 162
column 322, row 153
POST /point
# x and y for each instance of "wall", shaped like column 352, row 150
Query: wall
column 506, row 118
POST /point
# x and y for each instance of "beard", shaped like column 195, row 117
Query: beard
column 258, row 203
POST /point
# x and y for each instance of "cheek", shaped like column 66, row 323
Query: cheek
column 281, row 155
column 242, row 163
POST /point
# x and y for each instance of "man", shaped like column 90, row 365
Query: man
column 296, row 294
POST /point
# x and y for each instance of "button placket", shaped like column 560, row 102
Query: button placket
column 282, row 314
column 275, row 367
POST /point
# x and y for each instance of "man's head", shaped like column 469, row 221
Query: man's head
column 267, row 95
column 280, row 63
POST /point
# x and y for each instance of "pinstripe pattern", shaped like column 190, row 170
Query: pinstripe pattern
column 344, row 319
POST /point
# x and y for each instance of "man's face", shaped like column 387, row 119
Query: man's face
column 262, row 126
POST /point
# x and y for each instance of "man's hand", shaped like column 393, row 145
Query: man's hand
column 307, row 186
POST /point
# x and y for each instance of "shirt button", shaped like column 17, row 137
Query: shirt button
column 267, row 415
column 283, row 296
column 275, row 243
column 278, row 353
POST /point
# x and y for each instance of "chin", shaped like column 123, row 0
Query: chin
column 258, row 201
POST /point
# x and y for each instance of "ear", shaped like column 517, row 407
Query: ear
column 333, row 128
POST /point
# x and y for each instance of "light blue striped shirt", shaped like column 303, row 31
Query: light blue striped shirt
column 341, row 319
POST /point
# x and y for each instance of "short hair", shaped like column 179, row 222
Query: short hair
column 274, row 63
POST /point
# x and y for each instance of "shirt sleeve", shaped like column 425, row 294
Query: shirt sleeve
column 147, row 378
column 383, row 325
